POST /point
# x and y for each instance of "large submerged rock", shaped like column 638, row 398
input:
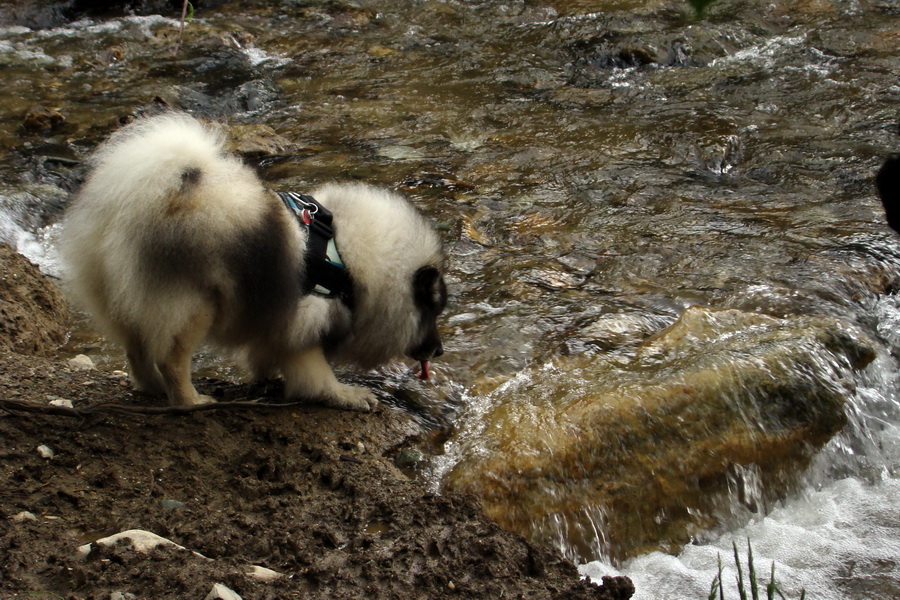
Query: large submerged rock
column 613, row 457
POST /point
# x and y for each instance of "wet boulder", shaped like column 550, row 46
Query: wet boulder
column 41, row 118
column 605, row 456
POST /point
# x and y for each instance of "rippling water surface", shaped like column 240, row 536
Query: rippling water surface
column 595, row 168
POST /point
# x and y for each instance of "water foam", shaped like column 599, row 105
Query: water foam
column 837, row 543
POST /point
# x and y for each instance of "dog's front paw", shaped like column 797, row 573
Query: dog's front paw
column 350, row 397
column 200, row 399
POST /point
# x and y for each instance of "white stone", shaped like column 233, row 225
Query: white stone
column 142, row 541
column 262, row 573
column 81, row 363
column 46, row 451
column 24, row 516
column 221, row 592
column 61, row 402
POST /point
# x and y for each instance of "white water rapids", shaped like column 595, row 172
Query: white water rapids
column 839, row 539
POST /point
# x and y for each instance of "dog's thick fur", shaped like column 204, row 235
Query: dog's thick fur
column 172, row 241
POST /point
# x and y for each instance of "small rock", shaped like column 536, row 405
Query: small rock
column 262, row 573
column 81, row 363
column 40, row 117
column 61, row 402
column 221, row 592
column 258, row 140
column 122, row 596
column 24, row 516
column 172, row 504
column 379, row 51
column 408, row 458
column 46, row 451
column 141, row 541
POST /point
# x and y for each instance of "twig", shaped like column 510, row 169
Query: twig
column 184, row 8
column 16, row 406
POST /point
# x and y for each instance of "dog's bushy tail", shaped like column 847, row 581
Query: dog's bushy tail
column 153, row 158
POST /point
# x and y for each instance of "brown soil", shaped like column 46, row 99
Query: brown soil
column 310, row 493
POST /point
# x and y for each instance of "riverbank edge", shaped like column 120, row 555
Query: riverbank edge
column 309, row 493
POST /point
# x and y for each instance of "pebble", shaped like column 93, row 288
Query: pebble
column 81, row 362
column 169, row 504
column 262, row 573
column 46, row 451
column 24, row 516
column 221, row 592
column 122, row 596
column 142, row 541
column 408, row 458
column 41, row 117
column 61, row 402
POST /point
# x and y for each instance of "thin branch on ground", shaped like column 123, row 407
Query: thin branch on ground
column 17, row 406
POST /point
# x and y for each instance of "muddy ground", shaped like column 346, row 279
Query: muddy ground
column 310, row 493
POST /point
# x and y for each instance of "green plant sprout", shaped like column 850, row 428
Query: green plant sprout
column 717, row 590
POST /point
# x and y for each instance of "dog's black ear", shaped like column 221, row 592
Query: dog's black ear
column 430, row 296
column 429, row 290
column 888, row 183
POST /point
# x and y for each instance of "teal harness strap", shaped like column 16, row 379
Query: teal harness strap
column 326, row 274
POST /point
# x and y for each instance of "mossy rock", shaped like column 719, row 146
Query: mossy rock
column 617, row 459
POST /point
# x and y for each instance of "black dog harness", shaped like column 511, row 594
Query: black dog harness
column 326, row 274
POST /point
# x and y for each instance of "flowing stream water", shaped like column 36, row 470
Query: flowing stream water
column 642, row 210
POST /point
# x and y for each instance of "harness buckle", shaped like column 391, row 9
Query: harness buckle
column 326, row 274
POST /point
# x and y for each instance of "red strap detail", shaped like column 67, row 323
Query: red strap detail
column 307, row 218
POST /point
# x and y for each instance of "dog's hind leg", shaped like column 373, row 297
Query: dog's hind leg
column 144, row 374
column 175, row 367
column 307, row 374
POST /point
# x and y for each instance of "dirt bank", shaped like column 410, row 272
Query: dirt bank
column 309, row 493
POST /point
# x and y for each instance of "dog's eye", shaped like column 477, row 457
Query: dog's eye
column 429, row 290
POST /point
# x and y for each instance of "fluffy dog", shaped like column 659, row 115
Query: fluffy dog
column 171, row 241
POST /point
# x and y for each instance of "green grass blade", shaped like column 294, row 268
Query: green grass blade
column 714, row 586
column 771, row 588
column 740, row 572
column 721, row 586
column 754, row 588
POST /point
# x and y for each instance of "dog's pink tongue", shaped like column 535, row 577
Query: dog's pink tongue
column 426, row 371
